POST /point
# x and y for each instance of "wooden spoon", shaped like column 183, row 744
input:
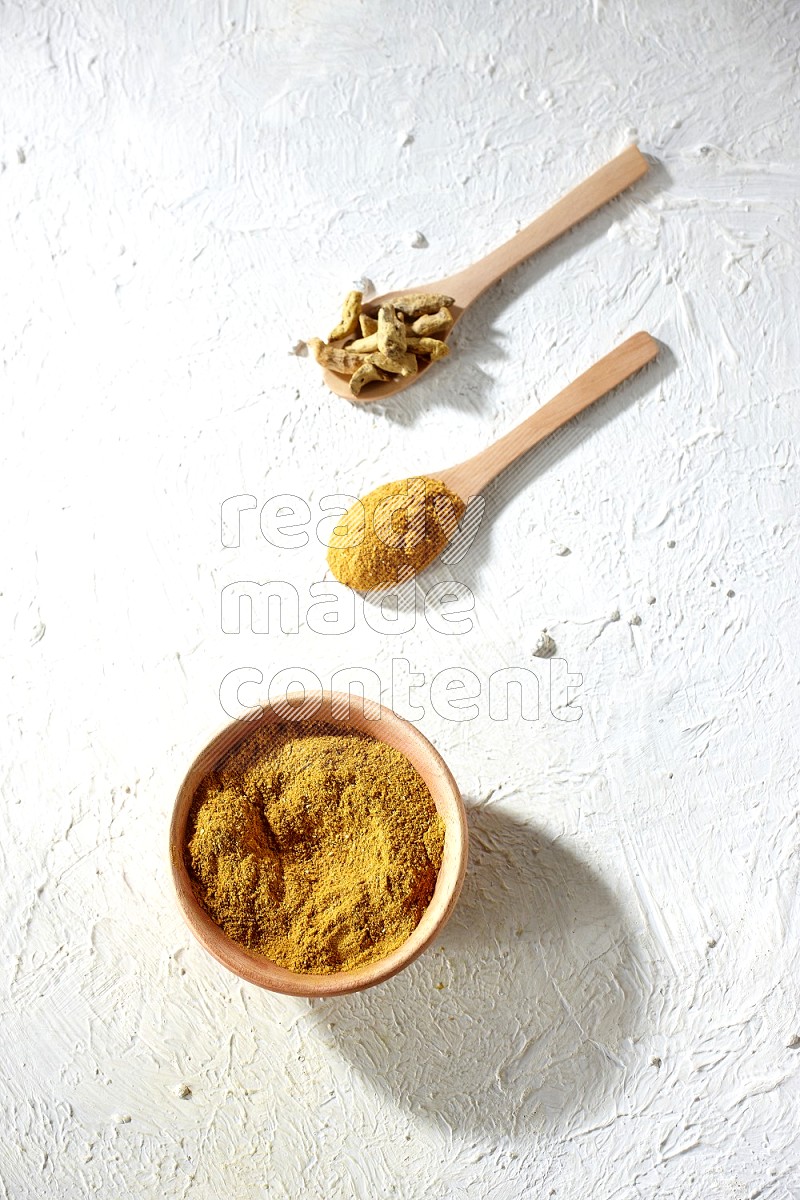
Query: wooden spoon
column 383, row 568
column 467, row 285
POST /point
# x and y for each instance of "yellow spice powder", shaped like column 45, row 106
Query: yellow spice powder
column 315, row 847
column 394, row 532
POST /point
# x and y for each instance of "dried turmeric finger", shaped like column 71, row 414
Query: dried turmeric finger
column 364, row 345
column 368, row 324
column 431, row 348
column 351, row 310
column 366, row 373
column 404, row 364
column 432, row 323
column 391, row 332
column 336, row 359
column 418, row 303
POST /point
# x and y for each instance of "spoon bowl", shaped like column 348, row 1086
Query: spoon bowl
column 340, row 384
column 466, row 286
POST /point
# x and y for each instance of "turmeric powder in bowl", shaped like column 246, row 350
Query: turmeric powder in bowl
column 393, row 532
column 314, row 846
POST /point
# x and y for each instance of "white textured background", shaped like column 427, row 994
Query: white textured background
column 186, row 189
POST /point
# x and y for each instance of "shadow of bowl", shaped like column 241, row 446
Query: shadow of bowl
column 515, row 1022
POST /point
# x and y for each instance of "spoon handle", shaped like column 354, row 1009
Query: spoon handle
column 586, row 198
column 470, row 477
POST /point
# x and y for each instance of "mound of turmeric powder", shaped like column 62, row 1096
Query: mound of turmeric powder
column 393, row 532
column 316, row 847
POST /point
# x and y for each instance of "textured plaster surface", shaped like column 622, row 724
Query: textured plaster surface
column 186, row 190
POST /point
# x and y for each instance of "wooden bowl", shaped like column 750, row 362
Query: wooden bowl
column 386, row 726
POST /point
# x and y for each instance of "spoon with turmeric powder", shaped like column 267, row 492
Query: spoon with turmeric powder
column 381, row 349
column 400, row 528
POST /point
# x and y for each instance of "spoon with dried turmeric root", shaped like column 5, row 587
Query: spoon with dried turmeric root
column 380, row 348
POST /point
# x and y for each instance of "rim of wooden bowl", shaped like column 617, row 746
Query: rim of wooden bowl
column 385, row 725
